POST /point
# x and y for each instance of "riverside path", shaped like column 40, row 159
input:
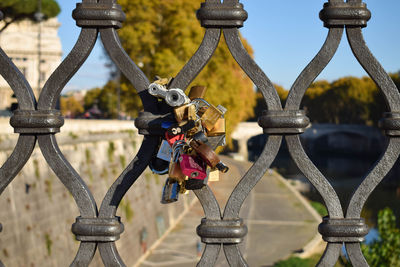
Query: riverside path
column 279, row 223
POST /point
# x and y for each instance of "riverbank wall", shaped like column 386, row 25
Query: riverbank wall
column 37, row 211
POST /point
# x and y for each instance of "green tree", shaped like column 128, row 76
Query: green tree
column 162, row 35
column 386, row 250
column 310, row 101
column 261, row 105
column 294, row 262
column 17, row 10
column 396, row 78
column 105, row 98
column 91, row 98
column 346, row 100
column 70, row 107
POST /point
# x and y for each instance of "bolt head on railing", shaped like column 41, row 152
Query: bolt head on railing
column 284, row 122
column 36, row 121
column 98, row 15
column 345, row 14
column 390, row 123
column 343, row 230
column 222, row 231
column 217, row 15
column 97, row 229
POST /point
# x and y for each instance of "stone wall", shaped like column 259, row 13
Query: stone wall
column 37, row 211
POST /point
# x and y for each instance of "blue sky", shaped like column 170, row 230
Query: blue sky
column 285, row 36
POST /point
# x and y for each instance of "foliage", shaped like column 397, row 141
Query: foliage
column 294, row 262
column 386, row 250
column 346, row 100
column 320, row 208
column 105, row 98
column 70, row 107
column 299, row 262
column 17, row 10
column 260, row 102
column 161, row 36
column 49, row 243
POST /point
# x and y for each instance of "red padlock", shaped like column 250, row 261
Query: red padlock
column 193, row 167
column 172, row 139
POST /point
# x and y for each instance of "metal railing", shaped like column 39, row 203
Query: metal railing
column 100, row 228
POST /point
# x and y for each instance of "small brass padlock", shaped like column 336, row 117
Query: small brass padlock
column 201, row 111
column 219, row 128
column 211, row 116
column 182, row 188
column 197, row 92
column 195, row 130
column 213, row 176
column 163, row 81
column 185, row 113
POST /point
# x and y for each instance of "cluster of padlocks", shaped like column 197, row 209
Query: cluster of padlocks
column 186, row 151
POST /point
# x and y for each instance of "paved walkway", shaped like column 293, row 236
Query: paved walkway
column 278, row 222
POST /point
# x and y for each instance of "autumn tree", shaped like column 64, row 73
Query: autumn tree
column 396, row 79
column 260, row 101
column 105, row 98
column 91, row 98
column 70, row 107
column 346, row 100
column 17, row 10
column 161, row 36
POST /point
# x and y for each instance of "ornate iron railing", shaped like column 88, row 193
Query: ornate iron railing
column 100, row 228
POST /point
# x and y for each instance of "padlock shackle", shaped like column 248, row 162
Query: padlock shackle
column 177, row 148
column 197, row 102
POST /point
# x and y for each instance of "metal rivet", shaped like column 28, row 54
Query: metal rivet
column 345, row 14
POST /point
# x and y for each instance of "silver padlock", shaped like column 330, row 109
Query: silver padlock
column 176, row 98
column 165, row 151
column 158, row 90
column 216, row 141
column 173, row 97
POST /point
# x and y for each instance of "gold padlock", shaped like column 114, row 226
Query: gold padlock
column 163, row 81
column 195, row 129
column 197, row 92
column 219, row 128
column 182, row 188
column 210, row 117
column 185, row 113
column 201, row 111
column 213, row 176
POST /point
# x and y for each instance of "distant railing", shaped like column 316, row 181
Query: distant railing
column 100, row 228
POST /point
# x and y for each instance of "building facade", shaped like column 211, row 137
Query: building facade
column 21, row 43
